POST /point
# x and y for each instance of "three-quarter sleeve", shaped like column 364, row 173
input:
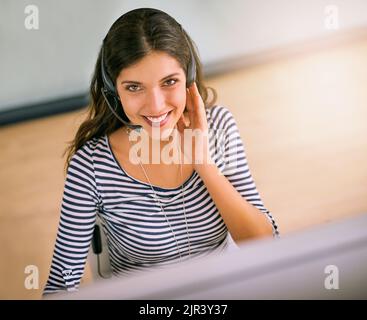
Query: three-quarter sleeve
column 76, row 224
column 234, row 162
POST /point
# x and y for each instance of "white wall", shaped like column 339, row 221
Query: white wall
column 57, row 60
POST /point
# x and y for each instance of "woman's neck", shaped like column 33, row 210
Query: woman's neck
column 154, row 151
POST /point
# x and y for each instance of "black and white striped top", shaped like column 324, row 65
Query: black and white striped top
column 138, row 234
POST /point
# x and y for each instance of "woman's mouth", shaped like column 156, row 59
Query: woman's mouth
column 158, row 121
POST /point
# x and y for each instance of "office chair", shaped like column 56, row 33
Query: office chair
column 98, row 254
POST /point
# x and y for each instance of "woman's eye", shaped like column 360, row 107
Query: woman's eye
column 171, row 82
column 136, row 88
column 132, row 88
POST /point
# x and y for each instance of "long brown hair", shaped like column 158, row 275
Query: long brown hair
column 131, row 37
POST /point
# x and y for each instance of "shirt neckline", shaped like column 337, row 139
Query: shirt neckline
column 107, row 140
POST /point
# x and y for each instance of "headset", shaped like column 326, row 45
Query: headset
column 113, row 100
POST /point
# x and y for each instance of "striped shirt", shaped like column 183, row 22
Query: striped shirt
column 139, row 235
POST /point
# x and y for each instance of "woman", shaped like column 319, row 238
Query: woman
column 147, row 98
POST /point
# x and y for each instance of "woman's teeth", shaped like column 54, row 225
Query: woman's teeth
column 159, row 119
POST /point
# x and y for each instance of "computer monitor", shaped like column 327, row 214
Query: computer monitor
column 324, row 262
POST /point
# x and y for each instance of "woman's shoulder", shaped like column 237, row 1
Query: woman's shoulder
column 87, row 151
column 219, row 116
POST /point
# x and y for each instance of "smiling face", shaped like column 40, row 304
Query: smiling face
column 153, row 92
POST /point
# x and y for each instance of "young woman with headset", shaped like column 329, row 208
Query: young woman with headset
column 148, row 85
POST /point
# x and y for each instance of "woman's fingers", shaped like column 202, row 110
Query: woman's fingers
column 190, row 106
column 189, row 102
column 181, row 124
column 195, row 95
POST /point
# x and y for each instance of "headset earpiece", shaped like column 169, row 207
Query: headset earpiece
column 107, row 82
column 191, row 68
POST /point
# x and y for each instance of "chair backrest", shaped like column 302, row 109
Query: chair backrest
column 98, row 254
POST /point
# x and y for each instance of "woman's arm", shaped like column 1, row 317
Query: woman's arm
column 77, row 219
column 232, row 187
column 243, row 220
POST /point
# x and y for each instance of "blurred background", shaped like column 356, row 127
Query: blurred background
column 293, row 73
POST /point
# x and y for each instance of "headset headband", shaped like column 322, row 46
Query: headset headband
column 190, row 76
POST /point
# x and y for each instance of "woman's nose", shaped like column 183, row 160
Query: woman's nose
column 156, row 102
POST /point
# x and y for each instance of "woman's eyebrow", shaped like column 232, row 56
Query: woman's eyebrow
column 166, row 77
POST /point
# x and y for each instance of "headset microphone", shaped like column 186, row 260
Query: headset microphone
column 131, row 126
